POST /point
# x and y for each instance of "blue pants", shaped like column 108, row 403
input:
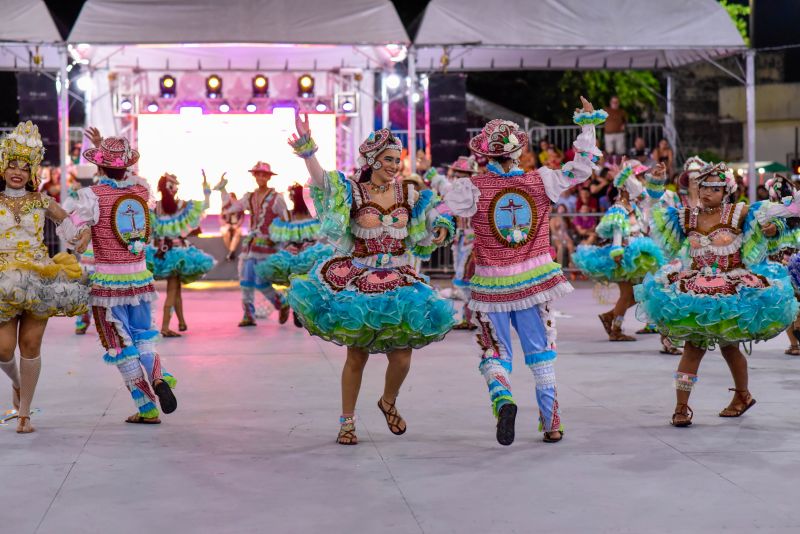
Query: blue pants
column 249, row 281
column 536, row 329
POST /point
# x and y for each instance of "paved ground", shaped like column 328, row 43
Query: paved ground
column 251, row 449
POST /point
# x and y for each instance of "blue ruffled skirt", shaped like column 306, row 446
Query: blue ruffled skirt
column 278, row 268
column 641, row 256
column 189, row 263
column 748, row 313
column 377, row 310
column 794, row 271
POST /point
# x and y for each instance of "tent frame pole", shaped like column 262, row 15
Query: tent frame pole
column 412, row 109
column 669, row 118
column 63, row 124
column 384, row 101
column 750, row 98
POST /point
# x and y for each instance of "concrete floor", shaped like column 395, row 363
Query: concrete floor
column 251, row 449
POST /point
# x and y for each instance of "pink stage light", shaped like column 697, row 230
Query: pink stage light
column 250, row 107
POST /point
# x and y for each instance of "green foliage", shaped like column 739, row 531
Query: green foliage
column 636, row 89
column 740, row 15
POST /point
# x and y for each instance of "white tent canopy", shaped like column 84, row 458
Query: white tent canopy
column 573, row 34
column 240, row 34
column 26, row 25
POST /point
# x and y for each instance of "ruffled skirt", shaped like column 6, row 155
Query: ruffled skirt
column 279, row 267
column 794, row 271
column 718, row 309
column 54, row 289
column 189, row 263
column 641, row 256
column 377, row 310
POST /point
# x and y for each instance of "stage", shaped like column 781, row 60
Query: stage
column 251, row 447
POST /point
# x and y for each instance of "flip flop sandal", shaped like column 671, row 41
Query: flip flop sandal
column 793, row 351
column 393, row 418
column 137, row 419
column 166, row 398
column 169, row 333
column 505, row 424
column 548, row 439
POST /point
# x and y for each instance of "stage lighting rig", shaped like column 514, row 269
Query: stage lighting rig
column 213, row 86
column 152, row 107
column 305, row 86
column 167, row 86
column 260, row 86
column 251, row 107
column 224, row 107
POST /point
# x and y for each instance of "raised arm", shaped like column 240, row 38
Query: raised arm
column 556, row 181
column 305, row 147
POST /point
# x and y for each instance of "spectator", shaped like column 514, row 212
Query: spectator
column 560, row 238
column 639, row 150
column 585, row 198
column 598, row 187
column 663, row 154
column 527, row 162
column 584, row 226
column 544, row 146
column 568, row 199
column 554, row 158
column 614, row 132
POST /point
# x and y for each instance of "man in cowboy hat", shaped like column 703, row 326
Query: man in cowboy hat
column 116, row 217
column 515, row 277
column 265, row 205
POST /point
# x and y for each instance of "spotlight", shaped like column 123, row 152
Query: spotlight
column 250, row 107
column 260, row 86
column 415, row 97
column 321, row 107
column 167, row 86
column 346, row 103
column 305, row 86
column 224, row 107
column 126, row 105
column 393, row 81
column 84, row 83
column 213, row 86
column 348, row 106
column 152, row 107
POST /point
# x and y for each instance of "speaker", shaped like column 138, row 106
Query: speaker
column 38, row 102
column 447, row 97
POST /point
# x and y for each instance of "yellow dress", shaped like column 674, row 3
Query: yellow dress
column 30, row 280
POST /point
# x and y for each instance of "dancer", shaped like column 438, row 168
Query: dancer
column 231, row 228
column 463, row 259
column 33, row 287
column 299, row 238
column 783, row 248
column 265, row 205
column 727, row 294
column 172, row 257
column 628, row 256
column 369, row 299
column 116, row 209
column 515, row 276
column 86, row 259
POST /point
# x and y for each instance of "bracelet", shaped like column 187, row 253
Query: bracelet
column 304, row 146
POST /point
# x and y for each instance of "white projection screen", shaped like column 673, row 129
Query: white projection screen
column 184, row 144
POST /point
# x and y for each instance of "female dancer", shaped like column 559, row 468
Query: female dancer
column 783, row 248
column 727, row 294
column 368, row 298
column 299, row 239
column 171, row 257
column 33, row 287
column 86, row 259
column 629, row 256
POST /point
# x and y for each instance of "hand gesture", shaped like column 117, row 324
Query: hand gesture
column 222, row 182
column 659, row 171
column 205, row 180
column 82, row 240
column 439, row 236
column 769, row 229
column 302, row 127
column 587, row 106
column 93, row 135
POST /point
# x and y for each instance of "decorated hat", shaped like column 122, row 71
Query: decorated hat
column 464, row 164
column 691, row 167
column 262, row 167
column 23, row 144
column 377, row 142
column 717, row 175
column 779, row 187
column 626, row 178
column 499, row 138
column 167, row 177
column 113, row 153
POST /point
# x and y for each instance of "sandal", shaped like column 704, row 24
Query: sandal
column 686, row 417
column 166, row 398
column 137, row 419
column 24, row 425
column 730, row 411
column 182, row 327
column 668, row 348
column 296, row 319
column 608, row 320
column 548, row 436
column 505, row 424
column 793, row 350
column 283, row 314
column 393, row 418
column 347, row 431
column 169, row 333
column 619, row 335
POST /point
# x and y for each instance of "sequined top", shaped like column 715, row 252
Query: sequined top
column 22, row 230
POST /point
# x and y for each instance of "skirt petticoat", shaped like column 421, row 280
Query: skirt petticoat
column 189, row 263
column 377, row 310
column 281, row 266
column 640, row 257
column 721, row 308
column 57, row 289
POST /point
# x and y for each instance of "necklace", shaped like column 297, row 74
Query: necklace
column 709, row 210
column 379, row 188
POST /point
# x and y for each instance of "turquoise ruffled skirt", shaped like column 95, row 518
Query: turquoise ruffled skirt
column 189, row 263
column 279, row 267
column 377, row 310
column 705, row 320
column 641, row 256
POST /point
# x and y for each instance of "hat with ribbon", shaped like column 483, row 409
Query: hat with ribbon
column 371, row 148
column 113, row 153
column 499, row 138
column 466, row 164
column 262, row 167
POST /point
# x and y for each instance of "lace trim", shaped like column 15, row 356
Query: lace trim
column 374, row 233
column 726, row 250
